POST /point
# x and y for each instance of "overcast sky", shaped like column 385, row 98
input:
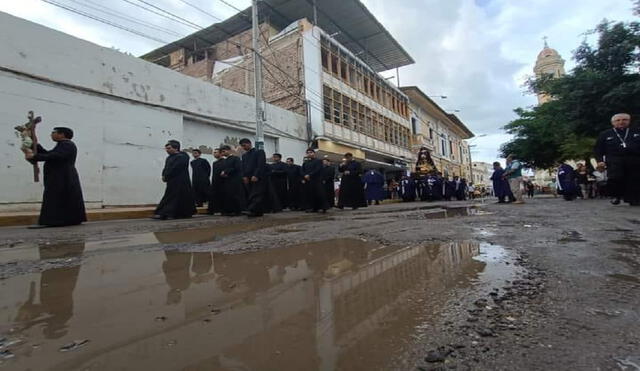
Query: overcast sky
column 477, row 52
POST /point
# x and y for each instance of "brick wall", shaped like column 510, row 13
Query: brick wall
column 282, row 86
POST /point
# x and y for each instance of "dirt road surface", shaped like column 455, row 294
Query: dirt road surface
column 549, row 285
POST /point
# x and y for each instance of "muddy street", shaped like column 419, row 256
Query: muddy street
column 546, row 285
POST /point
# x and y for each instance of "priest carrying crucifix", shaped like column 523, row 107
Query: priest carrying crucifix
column 62, row 202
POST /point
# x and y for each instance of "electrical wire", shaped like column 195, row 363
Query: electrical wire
column 170, row 14
column 117, row 14
column 103, row 20
column 201, row 10
column 161, row 14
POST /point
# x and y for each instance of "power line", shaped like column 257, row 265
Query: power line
column 117, row 14
column 201, row 10
column 102, row 20
column 171, row 14
column 161, row 14
column 231, row 6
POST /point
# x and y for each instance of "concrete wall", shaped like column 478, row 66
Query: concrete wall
column 122, row 109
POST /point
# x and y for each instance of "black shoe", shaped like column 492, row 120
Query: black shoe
column 354, row 208
column 377, row 202
column 615, row 201
column 254, row 215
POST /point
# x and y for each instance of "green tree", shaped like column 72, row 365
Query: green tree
column 605, row 81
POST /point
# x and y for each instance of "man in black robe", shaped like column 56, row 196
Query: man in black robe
column 315, row 198
column 449, row 189
column 619, row 149
column 294, row 183
column 62, row 201
column 232, row 188
column 351, row 190
column 178, row 201
column 278, row 179
column 200, row 173
column 254, row 176
column 216, row 193
column 328, row 177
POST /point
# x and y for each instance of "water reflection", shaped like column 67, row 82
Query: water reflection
column 55, row 305
column 336, row 304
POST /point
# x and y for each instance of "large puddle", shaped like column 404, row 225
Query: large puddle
column 336, row 304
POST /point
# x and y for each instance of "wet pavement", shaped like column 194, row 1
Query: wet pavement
column 415, row 286
column 332, row 304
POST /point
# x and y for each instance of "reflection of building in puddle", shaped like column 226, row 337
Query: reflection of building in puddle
column 321, row 305
column 55, row 305
column 314, row 303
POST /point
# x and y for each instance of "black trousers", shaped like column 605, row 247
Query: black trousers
column 255, row 196
column 624, row 178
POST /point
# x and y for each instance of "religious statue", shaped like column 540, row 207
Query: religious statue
column 425, row 164
column 29, row 141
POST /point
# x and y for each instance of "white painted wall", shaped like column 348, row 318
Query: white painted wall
column 312, row 62
column 122, row 109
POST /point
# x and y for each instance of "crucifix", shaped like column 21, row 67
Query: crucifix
column 545, row 41
column 29, row 140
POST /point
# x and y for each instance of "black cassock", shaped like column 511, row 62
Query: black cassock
column 62, row 201
column 178, row 201
column 278, row 180
column 328, row 177
column 620, row 149
column 200, row 173
column 232, row 187
column 254, row 163
column 314, row 197
column 351, row 190
column 294, row 183
column 216, row 193
column 449, row 189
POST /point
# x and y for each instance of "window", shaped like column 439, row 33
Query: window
column 337, row 107
column 326, row 97
column 325, row 59
column 443, row 146
column 334, row 64
column 343, row 70
column 414, row 126
column 430, row 133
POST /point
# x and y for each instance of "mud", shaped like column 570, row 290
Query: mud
column 545, row 285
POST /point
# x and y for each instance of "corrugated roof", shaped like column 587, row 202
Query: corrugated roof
column 349, row 21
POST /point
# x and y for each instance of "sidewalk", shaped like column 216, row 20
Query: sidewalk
column 12, row 219
column 18, row 218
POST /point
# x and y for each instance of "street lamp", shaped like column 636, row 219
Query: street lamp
column 437, row 96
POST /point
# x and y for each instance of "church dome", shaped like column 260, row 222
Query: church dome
column 548, row 52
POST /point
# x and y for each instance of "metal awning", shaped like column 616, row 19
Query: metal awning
column 349, row 21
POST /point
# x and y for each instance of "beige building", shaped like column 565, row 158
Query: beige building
column 441, row 132
column 328, row 72
column 549, row 62
column 482, row 172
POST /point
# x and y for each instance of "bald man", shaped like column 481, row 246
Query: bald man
column 619, row 149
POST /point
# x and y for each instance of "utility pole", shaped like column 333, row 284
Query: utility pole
column 257, row 77
column 315, row 13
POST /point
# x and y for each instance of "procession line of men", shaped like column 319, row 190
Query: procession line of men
column 235, row 185
column 232, row 185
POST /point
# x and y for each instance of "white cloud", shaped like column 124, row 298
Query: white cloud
column 478, row 52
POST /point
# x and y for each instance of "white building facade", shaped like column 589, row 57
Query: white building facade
column 122, row 109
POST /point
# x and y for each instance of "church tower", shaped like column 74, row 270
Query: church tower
column 549, row 62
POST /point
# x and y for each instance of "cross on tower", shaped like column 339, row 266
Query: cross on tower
column 545, row 41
